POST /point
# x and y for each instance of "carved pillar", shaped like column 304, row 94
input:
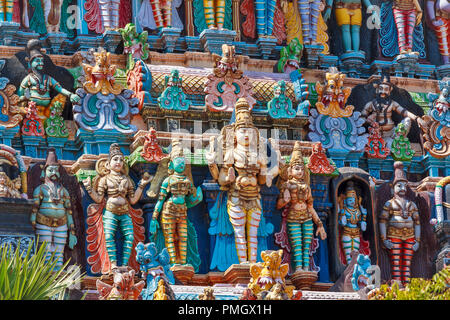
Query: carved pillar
column 236, row 19
column 189, row 26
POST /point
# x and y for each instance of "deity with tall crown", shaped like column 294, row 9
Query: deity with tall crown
column 114, row 194
column 352, row 219
column 299, row 215
column 176, row 195
column 241, row 172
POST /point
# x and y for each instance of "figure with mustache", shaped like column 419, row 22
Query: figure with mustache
column 381, row 108
column 399, row 224
column 52, row 214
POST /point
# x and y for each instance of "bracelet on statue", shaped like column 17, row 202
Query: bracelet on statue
column 382, row 237
column 418, row 240
column 327, row 6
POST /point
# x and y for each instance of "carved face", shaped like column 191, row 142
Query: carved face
column 350, row 201
column 245, row 136
column 38, row 63
column 179, row 164
column 116, row 163
column 52, row 173
column 400, row 188
column 334, row 91
column 297, row 171
column 384, row 90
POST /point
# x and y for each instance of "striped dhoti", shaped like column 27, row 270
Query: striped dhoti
column 401, row 256
column 111, row 222
column 109, row 11
column 56, row 238
column 405, row 21
column 300, row 238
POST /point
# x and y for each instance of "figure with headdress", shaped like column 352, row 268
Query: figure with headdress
column 381, row 108
column 298, row 212
column 114, row 193
column 176, row 196
column 352, row 219
column 399, row 224
column 240, row 167
column 52, row 214
column 36, row 86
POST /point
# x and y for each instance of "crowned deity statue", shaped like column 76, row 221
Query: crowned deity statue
column 176, row 196
column 299, row 215
column 36, row 86
column 407, row 15
column 349, row 19
column 243, row 170
column 381, row 108
column 113, row 191
column 51, row 217
column 399, row 224
column 352, row 219
column 438, row 14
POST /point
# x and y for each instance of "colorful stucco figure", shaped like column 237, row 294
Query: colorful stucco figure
column 123, row 286
column 241, row 170
column 176, row 196
column 290, row 56
column 332, row 95
column 298, row 214
column 52, row 215
column 399, row 224
column 436, row 124
column 173, row 97
column 349, row 20
column 401, row 147
column 135, row 45
column 113, row 193
column 376, row 146
column 352, row 219
column 37, row 85
column 268, row 278
column 407, row 15
column 263, row 18
column 280, row 107
column 438, row 14
column 227, row 83
column 380, row 110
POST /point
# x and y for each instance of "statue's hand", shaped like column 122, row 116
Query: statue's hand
column 231, row 175
column 321, row 231
column 72, row 241
column 327, row 14
column 87, row 184
column 74, row 98
column 269, row 180
column 388, row 244
column 153, row 226
column 363, row 226
column 415, row 247
column 344, row 221
column 437, row 23
column 286, row 195
column 418, row 18
column 146, row 179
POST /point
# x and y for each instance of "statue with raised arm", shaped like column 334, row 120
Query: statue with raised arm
column 299, row 215
column 399, row 224
column 113, row 192
column 349, row 20
column 51, row 217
